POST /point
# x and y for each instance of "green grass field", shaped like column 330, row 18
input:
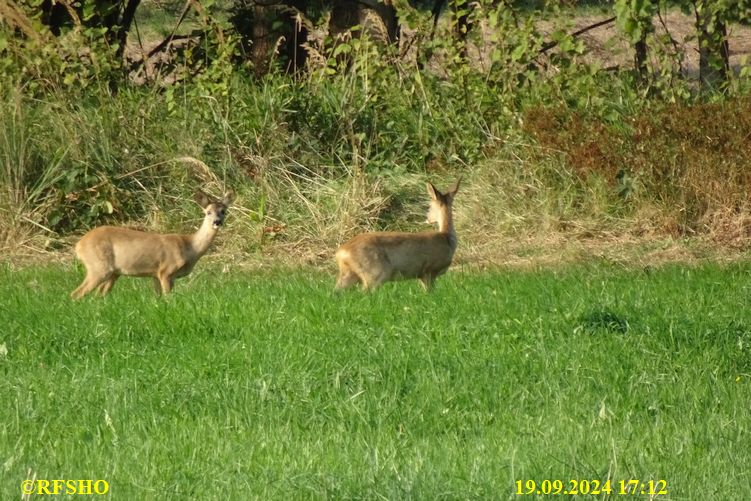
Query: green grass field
column 267, row 385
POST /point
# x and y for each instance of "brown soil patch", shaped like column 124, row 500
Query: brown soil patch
column 608, row 47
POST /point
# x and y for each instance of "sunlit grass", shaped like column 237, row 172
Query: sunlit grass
column 269, row 385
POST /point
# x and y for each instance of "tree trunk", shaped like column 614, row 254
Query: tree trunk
column 640, row 60
column 270, row 28
column 261, row 39
column 714, row 53
column 56, row 16
column 122, row 34
column 377, row 19
column 460, row 24
column 297, row 36
column 641, row 50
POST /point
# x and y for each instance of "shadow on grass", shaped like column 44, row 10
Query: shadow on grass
column 602, row 320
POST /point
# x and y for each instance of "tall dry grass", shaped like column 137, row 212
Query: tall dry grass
column 315, row 160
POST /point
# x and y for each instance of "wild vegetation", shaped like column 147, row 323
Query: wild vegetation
column 95, row 130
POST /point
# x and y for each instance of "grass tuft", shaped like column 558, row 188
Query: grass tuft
column 602, row 320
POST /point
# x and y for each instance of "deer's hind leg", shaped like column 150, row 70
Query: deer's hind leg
column 166, row 281
column 376, row 270
column 376, row 276
column 428, row 281
column 99, row 273
column 347, row 278
column 82, row 289
column 347, row 274
column 92, row 281
column 373, row 281
column 106, row 286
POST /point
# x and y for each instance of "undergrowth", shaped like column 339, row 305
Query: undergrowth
column 316, row 157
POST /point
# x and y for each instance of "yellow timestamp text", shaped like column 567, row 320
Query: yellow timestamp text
column 631, row 487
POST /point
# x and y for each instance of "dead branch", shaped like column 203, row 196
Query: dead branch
column 549, row 45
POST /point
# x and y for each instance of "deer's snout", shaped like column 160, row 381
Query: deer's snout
column 218, row 223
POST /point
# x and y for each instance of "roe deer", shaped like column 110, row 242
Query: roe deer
column 375, row 258
column 108, row 251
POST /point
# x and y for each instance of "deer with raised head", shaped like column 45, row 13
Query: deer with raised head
column 109, row 252
column 374, row 258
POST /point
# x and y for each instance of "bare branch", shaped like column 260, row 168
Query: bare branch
column 549, row 45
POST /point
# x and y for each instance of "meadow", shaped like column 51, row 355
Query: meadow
column 268, row 385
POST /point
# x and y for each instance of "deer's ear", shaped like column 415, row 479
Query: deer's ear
column 452, row 191
column 433, row 191
column 229, row 197
column 202, row 199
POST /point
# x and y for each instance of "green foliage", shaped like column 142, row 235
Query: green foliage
column 80, row 51
column 634, row 17
column 207, row 69
column 658, row 63
column 515, row 48
column 361, row 107
column 28, row 182
column 78, row 60
column 364, row 121
column 47, row 183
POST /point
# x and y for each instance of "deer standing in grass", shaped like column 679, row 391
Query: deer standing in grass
column 108, row 252
column 375, row 258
